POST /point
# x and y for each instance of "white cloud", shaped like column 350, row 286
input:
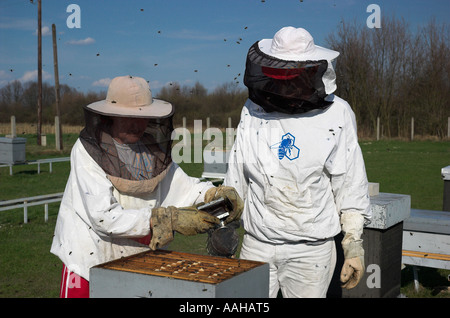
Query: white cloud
column 85, row 41
column 104, row 82
column 32, row 76
column 5, row 77
column 45, row 30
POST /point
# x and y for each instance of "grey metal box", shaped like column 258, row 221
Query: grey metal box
column 446, row 173
column 167, row 274
column 426, row 239
column 12, row 150
column 382, row 258
column 382, row 243
column 215, row 164
column 388, row 209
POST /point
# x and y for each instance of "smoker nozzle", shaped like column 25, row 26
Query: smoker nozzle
column 222, row 241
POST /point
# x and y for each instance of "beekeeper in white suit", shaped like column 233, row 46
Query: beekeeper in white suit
column 297, row 165
column 123, row 192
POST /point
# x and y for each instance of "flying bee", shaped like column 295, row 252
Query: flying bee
column 284, row 147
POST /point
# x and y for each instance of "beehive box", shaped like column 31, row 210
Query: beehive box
column 382, row 243
column 215, row 164
column 12, row 150
column 168, row 274
column 382, row 258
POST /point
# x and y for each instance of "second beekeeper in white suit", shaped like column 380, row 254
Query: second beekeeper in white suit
column 297, row 165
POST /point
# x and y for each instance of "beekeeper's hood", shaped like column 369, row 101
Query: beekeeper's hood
column 129, row 96
column 289, row 73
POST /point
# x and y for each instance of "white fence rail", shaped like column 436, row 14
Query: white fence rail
column 36, row 162
column 31, row 201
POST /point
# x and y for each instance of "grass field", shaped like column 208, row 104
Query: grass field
column 27, row 269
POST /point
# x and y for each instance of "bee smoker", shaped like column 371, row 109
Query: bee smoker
column 222, row 240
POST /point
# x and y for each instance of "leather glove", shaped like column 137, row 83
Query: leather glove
column 353, row 269
column 232, row 195
column 186, row 221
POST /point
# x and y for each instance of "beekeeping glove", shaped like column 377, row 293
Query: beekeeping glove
column 186, row 221
column 232, row 195
column 353, row 269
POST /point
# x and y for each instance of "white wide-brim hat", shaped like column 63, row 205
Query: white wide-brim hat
column 295, row 44
column 130, row 96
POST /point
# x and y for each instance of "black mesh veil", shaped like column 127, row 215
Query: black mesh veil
column 284, row 86
column 151, row 155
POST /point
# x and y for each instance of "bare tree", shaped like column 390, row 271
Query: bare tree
column 393, row 74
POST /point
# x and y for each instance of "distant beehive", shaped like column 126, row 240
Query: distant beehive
column 215, row 164
column 12, row 150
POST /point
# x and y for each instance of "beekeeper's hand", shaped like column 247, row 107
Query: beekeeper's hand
column 186, row 221
column 353, row 269
column 232, row 195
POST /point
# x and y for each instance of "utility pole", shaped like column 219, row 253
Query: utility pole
column 39, row 101
column 58, row 132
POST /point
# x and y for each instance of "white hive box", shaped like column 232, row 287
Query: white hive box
column 215, row 163
column 388, row 209
column 12, row 150
column 167, row 274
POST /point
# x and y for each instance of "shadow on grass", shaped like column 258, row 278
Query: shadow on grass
column 433, row 282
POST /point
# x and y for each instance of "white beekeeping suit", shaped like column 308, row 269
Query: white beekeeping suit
column 297, row 165
column 124, row 194
column 96, row 223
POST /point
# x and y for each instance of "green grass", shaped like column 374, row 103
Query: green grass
column 412, row 168
column 27, row 269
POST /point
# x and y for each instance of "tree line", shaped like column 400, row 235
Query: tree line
column 191, row 102
column 395, row 74
column 194, row 102
column 390, row 73
column 20, row 99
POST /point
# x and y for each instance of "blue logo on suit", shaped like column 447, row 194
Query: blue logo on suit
column 286, row 147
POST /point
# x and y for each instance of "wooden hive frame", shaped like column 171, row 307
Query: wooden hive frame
column 178, row 265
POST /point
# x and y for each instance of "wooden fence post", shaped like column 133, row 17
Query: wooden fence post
column 58, row 137
column 184, row 132
column 208, row 132
column 448, row 127
column 378, row 128
column 13, row 127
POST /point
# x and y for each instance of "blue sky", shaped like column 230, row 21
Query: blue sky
column 171, row 40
